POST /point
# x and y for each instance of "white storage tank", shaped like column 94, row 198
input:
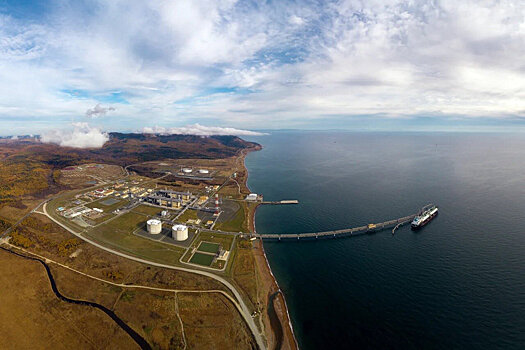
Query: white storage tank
column 187, row 170
column 180, row 232
column 204, row 171
column 154, row 226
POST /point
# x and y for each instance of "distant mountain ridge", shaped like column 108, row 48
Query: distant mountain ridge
column 28, row 166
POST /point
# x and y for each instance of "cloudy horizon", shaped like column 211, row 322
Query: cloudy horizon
column 387, row 65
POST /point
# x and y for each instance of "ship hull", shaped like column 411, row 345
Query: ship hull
column 424, row 222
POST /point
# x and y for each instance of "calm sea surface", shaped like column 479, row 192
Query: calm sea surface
column 458, row 283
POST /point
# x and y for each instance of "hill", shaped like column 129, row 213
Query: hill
column 29, row 167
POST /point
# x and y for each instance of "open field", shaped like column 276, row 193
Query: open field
column 202, row 259
column 208, row 247
column 188, row 215
column 223, row 240
column 210, row 322
column 147, row 210
column 34, row 318
column 237, row 222
column 244, row 272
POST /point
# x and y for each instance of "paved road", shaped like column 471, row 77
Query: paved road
column 244, row 311
column 6, row 232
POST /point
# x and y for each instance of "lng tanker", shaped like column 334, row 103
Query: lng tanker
column 424, row 217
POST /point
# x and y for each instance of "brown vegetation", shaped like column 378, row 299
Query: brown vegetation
column 29, row 167
column 34, row 318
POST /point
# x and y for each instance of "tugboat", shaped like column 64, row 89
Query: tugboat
column 428, row 213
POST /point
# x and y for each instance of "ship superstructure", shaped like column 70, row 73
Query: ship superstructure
column 424, row 217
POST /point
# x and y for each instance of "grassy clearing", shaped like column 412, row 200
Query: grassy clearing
column 222, row 239
column 202, row 259
column 147, row 210
column 237, row 224
column 208, row 247
column 189, row 214
column 244, row 271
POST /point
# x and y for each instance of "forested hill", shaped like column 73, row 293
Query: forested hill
column 27, row 166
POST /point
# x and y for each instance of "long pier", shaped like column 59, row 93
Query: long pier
column 370, row 228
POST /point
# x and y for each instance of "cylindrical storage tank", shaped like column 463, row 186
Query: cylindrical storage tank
column 204, row 171
column 154, row 226
column 179, row 232
column 187, row 170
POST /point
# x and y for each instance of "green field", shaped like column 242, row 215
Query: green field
column 116, row 203
column 202, row 259
column 147, row 209
column 236, row 224
column 208, row 247
column 218, row 238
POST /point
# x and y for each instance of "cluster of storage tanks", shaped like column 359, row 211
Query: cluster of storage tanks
column 178, row 232
column 190, row 170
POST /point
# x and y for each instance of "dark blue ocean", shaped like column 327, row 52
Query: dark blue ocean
column 459, row 283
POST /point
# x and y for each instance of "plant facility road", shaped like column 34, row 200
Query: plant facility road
column 244, row 311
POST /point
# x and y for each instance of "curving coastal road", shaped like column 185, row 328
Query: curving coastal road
column 244, row 311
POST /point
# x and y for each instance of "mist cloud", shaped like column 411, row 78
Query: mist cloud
column 200, row 130
column 81, row 136
column 98, row 111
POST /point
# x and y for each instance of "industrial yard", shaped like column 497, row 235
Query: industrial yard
column 165, row 221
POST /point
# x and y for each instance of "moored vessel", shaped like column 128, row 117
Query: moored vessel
column 424, row 217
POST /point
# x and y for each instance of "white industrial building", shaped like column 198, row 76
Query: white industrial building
column 252, row 197
column 204, row 171
column 154, row 226
column 180, row 232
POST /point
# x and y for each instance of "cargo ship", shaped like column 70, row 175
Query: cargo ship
column 426, row 215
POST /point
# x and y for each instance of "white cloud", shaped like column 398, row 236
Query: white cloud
column 98, row 111
column 283, row 63
column 81, row 136
column 200, row 130
column 296, row 20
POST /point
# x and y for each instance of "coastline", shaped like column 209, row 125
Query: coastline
column 270, row 289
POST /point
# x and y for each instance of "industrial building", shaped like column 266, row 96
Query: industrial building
column 204, row 171
column 252, row 197
column 223, row 254
column 179, row 232
column 164, row 201
column 154, row 226
column 174, row 194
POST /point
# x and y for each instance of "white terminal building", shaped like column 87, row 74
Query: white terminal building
column 252, row 197
column 179, row 232
column 154, row 226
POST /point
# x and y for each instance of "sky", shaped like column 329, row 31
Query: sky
column 252, row 65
